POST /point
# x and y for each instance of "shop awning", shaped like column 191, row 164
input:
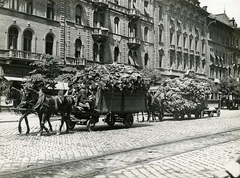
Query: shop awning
column 14, row 78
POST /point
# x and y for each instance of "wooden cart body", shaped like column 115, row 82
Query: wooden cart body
column 116, row 106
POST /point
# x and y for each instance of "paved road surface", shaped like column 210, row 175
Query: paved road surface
column 191, row 156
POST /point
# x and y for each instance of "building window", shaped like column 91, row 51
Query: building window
column 12, row 38
column 171, row 61
column 190, row 43
column 116, row 25
column 171, row 38
column 185, row 63
column 49, row 44
column 78, row 17
column 146, row 59
column 29, row 6
column 132, row 30
column 196, row 45
column 98, row 19
column 50, row 10
column 160, row 35
column 178, row 39
column 197, row 64
column 78, row 48
column 191, row 62
column 160, row 59
column 116, row 54
column 101, row 56
column 203, row 47
column 14, row 4
column 27, row 41
column 184, row 41
column 95, row 52
column 160, row 12
column 146, row 34
column 146, row 8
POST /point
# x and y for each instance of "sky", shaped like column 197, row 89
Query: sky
column 232, row 8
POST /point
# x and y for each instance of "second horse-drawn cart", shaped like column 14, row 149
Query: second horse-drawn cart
column 114, row 106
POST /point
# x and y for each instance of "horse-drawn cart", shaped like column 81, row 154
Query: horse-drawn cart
column 115, row 106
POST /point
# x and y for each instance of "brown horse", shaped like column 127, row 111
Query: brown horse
column 26, row 108
column 48, row 105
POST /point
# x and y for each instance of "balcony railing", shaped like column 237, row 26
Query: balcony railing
column 22, row 54
column 185, row 50
column 78, row 61
column 179, row 49
column 172, row 47
column 100, row 34
column 134, row 14
column 191, row 51
column 101, row 3
column 133, row 42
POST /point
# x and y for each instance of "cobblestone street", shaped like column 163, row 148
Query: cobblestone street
column 21, row 152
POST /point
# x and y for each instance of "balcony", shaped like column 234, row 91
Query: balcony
column 191, row 52
column 172, row 47
column 23, row 55
column 179, row 49
column 133, row 42
column 78, row 61
column 185, row 50
column 133, row 14
column 100, row 4
column 197, row 53
column 100, row 34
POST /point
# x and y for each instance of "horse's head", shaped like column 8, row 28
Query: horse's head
column 28, row 99
column 13, row 95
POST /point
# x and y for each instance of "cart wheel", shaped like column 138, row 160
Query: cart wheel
column 210, row 114
column 160, row 116
column 110, row 119
column 218, row 113
column 128, row 121
column 90, row 125
column 71, row 124
column 182, row 116
column 197, row 115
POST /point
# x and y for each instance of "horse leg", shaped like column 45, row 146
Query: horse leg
column 26, row 121
column 62, row 122
column 50, row 125
column 20, row 120
column 66, row 118
column 142, row 117
column 41, row 125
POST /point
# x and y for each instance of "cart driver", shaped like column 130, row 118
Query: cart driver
column 82, row 100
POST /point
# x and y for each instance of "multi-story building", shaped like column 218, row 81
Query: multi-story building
column 169, row 35
column 180, row 37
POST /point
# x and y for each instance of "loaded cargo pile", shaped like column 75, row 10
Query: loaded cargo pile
column 184, row 94
column 113, row 77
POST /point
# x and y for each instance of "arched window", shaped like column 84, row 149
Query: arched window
column 116, row 54
column 27, row 41
column 146, row 34
column 78, row 12
column 49, row 44
column 50, row 9
column 146, row 59
column 95, row 52
column 135, row 57
column 78, row 48
column 12, row 38
column 116, row 25
column 101, row 56
column 130, row 58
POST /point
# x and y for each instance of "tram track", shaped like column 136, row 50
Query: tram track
column 112, row 161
